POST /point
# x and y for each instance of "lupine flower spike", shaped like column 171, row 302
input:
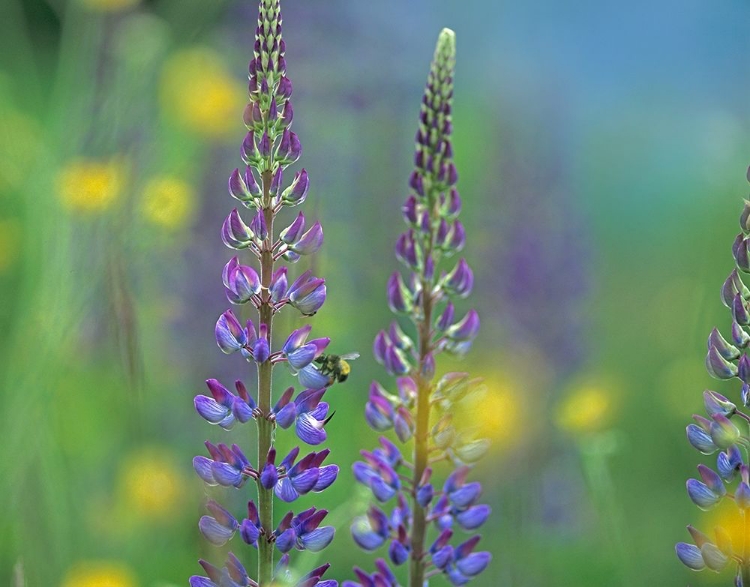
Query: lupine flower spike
column 408, row 500
column 724, row 431
column 269, row 148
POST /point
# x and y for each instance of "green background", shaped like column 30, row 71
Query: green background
column 602, row 151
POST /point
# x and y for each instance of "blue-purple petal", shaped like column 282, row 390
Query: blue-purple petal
column 318, row 539
column 701, row 495
column 249, row 532
column 210, row 409
column 305, row 481
column 474, row 563
column 465, row 496
column 312, row 378
column 381, row 490
column 286, row 415
column 203, row 466
column 226, row 474
column 285, row 491
column 473, row 517
column 286, row 540
column 214, row 532
column 241, row 410
column 398, row 553
column 310, row 430
column 327, row 475
column 690, row 556
column 443, row 556
column 302, row 356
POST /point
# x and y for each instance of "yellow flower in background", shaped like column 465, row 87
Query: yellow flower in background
column 10, row 243
column 198, row 93
column 725, row 515
column 150, row 484
column 99, row 574
column 497, row 413
column 587, row 408
column 109, row 5
column 168, row 201
column 89, row 185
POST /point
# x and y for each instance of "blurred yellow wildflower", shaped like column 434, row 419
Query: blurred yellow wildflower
column 88, row 185
column 726, row 515
column 168, row 201
column 10, row 243
column 588, row 408
column 99, row 574
column 497, row 413
column 150, row 484
column 198, row 93
column 109, row 5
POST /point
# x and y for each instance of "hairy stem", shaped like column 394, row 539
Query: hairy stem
column 421, row 437
column 265, row 426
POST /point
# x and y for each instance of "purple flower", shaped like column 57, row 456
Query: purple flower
column 250, row 528
column 728, row 463
column 383, row 577
column 377, row 474
column 379, row 412
column 307, row 413
column 690, row 555
column 304, row 532
column 371, row 531
column 307, row 293
column 399, row 549
column 304, row 476
column 269, row 476
column 235, row 233
column 220, row 526
column 227, row 466
column 296, row 193
column 240, row 281
column 230, row 336
column 299, row 352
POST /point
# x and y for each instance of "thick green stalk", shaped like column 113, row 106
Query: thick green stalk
column 265, row 426
column 422, row 433
column 421, row 452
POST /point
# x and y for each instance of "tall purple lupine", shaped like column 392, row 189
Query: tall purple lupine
column 426, row 297
column 725, row 431
column 269, row 148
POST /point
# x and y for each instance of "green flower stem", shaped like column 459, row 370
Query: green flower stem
column 422, row 434
column 265, row 426
column 595, row 454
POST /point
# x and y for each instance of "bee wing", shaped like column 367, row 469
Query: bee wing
column 349, row 356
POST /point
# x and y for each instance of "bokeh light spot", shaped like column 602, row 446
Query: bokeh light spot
column 99, row 574
column 198, row 93
column 168, row 202
column 87, row 185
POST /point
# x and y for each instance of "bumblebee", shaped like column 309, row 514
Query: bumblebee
column 336, row 366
